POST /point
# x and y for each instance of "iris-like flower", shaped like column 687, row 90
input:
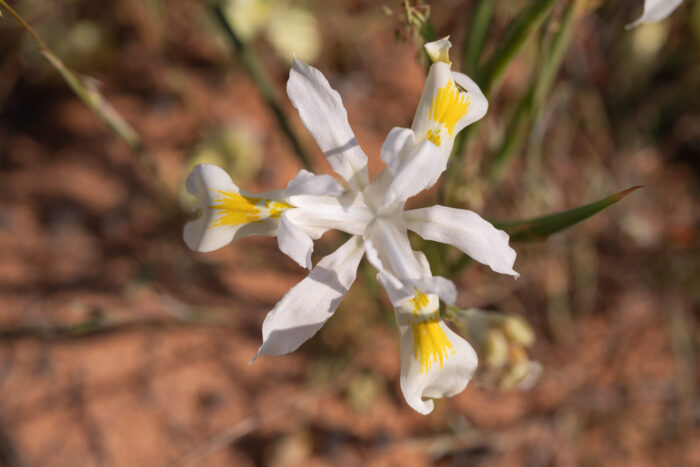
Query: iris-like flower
column 655, row 10
column 435, row 362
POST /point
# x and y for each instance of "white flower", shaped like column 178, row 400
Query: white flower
column 435, row 362
column 655, row 10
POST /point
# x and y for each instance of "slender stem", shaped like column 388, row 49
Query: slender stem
column 254, row 69
column 516, row 36
column 475, row 40
column 528, row 109
column 516, row 134
column 87, row 91
column 427, row 33
column 559, row 44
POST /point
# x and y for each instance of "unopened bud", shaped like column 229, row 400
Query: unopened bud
column 522, row 375
column 501, row 341
column 518, row 330
column 495, row 351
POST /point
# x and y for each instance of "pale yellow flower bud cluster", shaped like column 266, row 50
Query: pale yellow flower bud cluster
column 501, row 340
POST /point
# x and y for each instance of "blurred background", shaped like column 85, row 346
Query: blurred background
column 120, row 347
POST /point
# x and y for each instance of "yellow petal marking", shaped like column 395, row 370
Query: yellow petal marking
column 447, row 108
column 234, row 209
column 433, row 136
column 430, row 343
column 276, row 208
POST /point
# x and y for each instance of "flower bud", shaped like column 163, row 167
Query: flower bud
column 501, row 341
column 518, row 330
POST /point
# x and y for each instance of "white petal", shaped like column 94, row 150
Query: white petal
column 206, row 182
column 398, row 146
column 304, row 309
column 390, row 251
column 400, row 292
column 417, row 172
column 398, row 142
column 439, row 50
column 347, row 212
column 478, row 104
column 442, row 287
column 656, row 10
column 401, row 270
column 423, row 261
column 200, row 238
column 294, row 242
column 444, row 109
column 321, row 109
column 438, row 77
column 306, row 183
column 467, row 231
column 435, row 362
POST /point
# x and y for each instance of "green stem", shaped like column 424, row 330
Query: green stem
column 475, row 40
column 517, row 34
column 87, row 91
column 516, row 135
column 254, row 69
column 530, row 105
column 560, row 43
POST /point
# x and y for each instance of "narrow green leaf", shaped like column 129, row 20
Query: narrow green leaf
column 555, row 54
column 542, row 227
column 475, row 40
column 517, row 133
column 86, row 91
column 515, row 37
column 532, row 102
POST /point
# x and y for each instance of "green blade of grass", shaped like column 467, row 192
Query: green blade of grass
column 558, row 47
column 542, row 227
column 516, row 36
column 87, row 90
column 532, row 102
column 475, row 40
column 88, row 94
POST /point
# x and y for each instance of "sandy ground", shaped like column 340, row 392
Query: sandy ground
column 119, row 347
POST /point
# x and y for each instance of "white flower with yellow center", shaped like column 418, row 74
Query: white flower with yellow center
column 435, row 362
